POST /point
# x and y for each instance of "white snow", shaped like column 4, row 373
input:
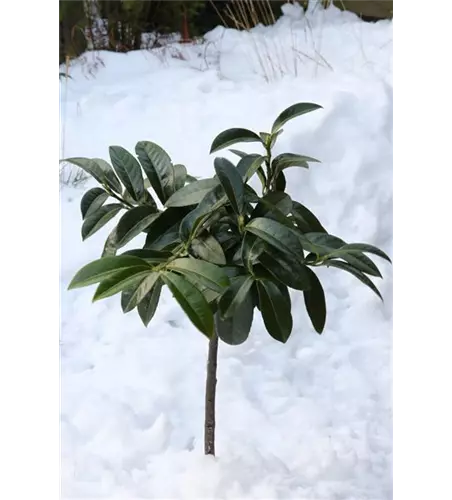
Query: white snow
column 309, row 420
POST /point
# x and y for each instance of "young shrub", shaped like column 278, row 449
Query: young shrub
column 221, row 248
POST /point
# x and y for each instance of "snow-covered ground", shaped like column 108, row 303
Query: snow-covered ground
column 309, row 420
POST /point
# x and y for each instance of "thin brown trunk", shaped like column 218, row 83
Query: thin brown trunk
column 211, row 385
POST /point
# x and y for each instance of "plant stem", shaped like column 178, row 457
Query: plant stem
column 211, row 386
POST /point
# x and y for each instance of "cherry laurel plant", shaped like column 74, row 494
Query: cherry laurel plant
column 221, row 248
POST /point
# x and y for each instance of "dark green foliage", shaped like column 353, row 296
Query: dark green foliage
column 221, row 249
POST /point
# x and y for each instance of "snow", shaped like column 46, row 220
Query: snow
column 309, row 420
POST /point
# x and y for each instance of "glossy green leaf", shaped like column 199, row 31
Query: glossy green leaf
column 275, row 202
column 166, row 222
column 128, row 170
column 99, row 218
column 277, row 235
column 192, row 193
column 314, row 300
column 321, row 243
column 249, row 164
column 192, row 302
column 265, row 137
column 157, row 165
column 236, row 329
column 364, row 247
column 262, row 177
column 208, row 274
column 213, row 201
column 206, row 247
column 275, row 309
column 102, row 269
column 232, row 183
column 119, row 282
column 180, row 176
column 100, row 170
column 168, row 240
column 292, row 112
column 154, row 256
column 252, row 247
column 359, row 261
column 286, row 269
column 110, row 247
column 148, row 306
column 133, row 222
column 274, row 137
column 280, row 182
column 306, row 221
column 287, row 160
column 233, row 136
column 234, row 296
column 134, row 296
column 240, row 154
column 355, row 272
column 92, row 200
column 191, row 222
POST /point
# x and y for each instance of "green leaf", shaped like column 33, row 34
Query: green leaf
column 110, row 247
column 134, row 296
column 252, row 248
column 155, row 256
column 190, row 178
column 102, row 269
column 207, row 208
column 262, row 177
column 265, row 137
column 125, row 297
column 275, row 308
column 274, row 203
column 128, row 170
column 287, row 160
column 249, row 164
column 92, row 200
column 306, row 221
column 358, row 261
column 191, row 194
column 240, row 154
column 275, row 137
column 191, row 222
column 206, row 247
column 364, row 247
column 148, row 306
column 235, row 330
column 192, row 302
column 232, row 183
column 286, row 269
column 314, row 299
column 110, row 177
column 165, row 241
column 157, row 165
column 321, row 243
column 133, row 222
column 234, row 296
column 280, row 182
column 233, row 136
column 98, row 219
column 119, row 282
column 100, row 170
column 168, row 221
column 292, row 112
column 277, row 235
column 208, row 274
column 180, row 176
column 355, row 272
